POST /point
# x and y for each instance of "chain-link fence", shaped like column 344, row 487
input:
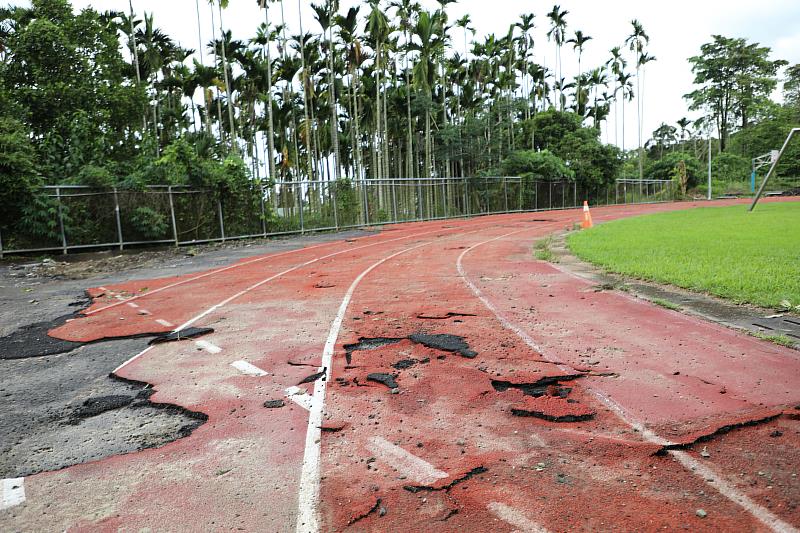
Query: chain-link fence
column 74, row 217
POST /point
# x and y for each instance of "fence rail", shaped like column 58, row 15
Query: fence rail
column 82, row 217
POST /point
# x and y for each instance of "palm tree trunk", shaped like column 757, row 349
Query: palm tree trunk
column 334, row 113
column 228, row 89
column 268, row 103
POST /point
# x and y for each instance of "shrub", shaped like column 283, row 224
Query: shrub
column 730, row 167
column 536, row 165
column 149, row 223
column 664, row 169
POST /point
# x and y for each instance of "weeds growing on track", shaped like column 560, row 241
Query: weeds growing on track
column 543, row 250
column 726, row 251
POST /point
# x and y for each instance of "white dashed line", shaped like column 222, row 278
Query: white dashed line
column 131, row 304
column 165, row 323
column 406, row 462
column 12, row 492
column 299, row 396
column 515, row 517
column 249, row 369
column 208, row 346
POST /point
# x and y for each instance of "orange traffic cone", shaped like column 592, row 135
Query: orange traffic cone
column 587, row 216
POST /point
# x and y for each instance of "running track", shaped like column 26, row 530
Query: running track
column 625, row 387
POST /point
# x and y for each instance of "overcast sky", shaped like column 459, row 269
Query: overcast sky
column 677, row 28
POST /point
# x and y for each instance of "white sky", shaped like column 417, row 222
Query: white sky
column 677, row 29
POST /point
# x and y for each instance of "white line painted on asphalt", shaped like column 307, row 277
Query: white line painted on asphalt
column 760, row 513
column 249, row 369
column 260, row 283
column 210, row 347
column 730, row 492
column 165, row 323
column 211, row 273
column 299, row 396
column 13, row 492
column 131, row 304
column 308, row 497
column 515, row 517
column 144, row 312
column 406, row 462
column 132, row 359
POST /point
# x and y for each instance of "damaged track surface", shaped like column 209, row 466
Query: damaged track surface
column 442, row 450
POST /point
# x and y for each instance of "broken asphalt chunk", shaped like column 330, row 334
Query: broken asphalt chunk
column 385, row 379
column 187, row 333
column 444, row 342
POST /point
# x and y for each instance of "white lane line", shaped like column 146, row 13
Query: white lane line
column 144, row 312
column 165, row 323
column 515, row 517
column 13, row 492
column 226, row 301
column 308, row 497
column 131, row 304
column 210, row 347
column 760, row 513
column 262, row 282
column 299, row 396
column 730, row 492
column 406, row 463
column 132, row 359
column 248, row 369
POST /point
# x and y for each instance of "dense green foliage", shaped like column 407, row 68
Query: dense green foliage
column 746, row 257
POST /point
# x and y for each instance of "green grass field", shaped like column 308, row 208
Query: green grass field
column 726, row 251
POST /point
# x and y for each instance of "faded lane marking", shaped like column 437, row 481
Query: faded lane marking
column 299, row 396
column 247, row 368
column 13, row 492
column 515, row 517
column 209, row 347
column 131, row 304
column 406, row 463
column 165, row 323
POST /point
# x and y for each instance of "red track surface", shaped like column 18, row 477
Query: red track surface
column 447, row 450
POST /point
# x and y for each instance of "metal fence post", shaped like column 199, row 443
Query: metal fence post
column 505, row 194
column 366, row 201
column 172, row 215
column 575, row 194
column 300, row 204
column 550, row 196
column 466, row 196
column 61, row 222
column 263, row 210
column 393, row 185
column 335, row 207
column 221, row 222
column 1, row 243
column 119, row 222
